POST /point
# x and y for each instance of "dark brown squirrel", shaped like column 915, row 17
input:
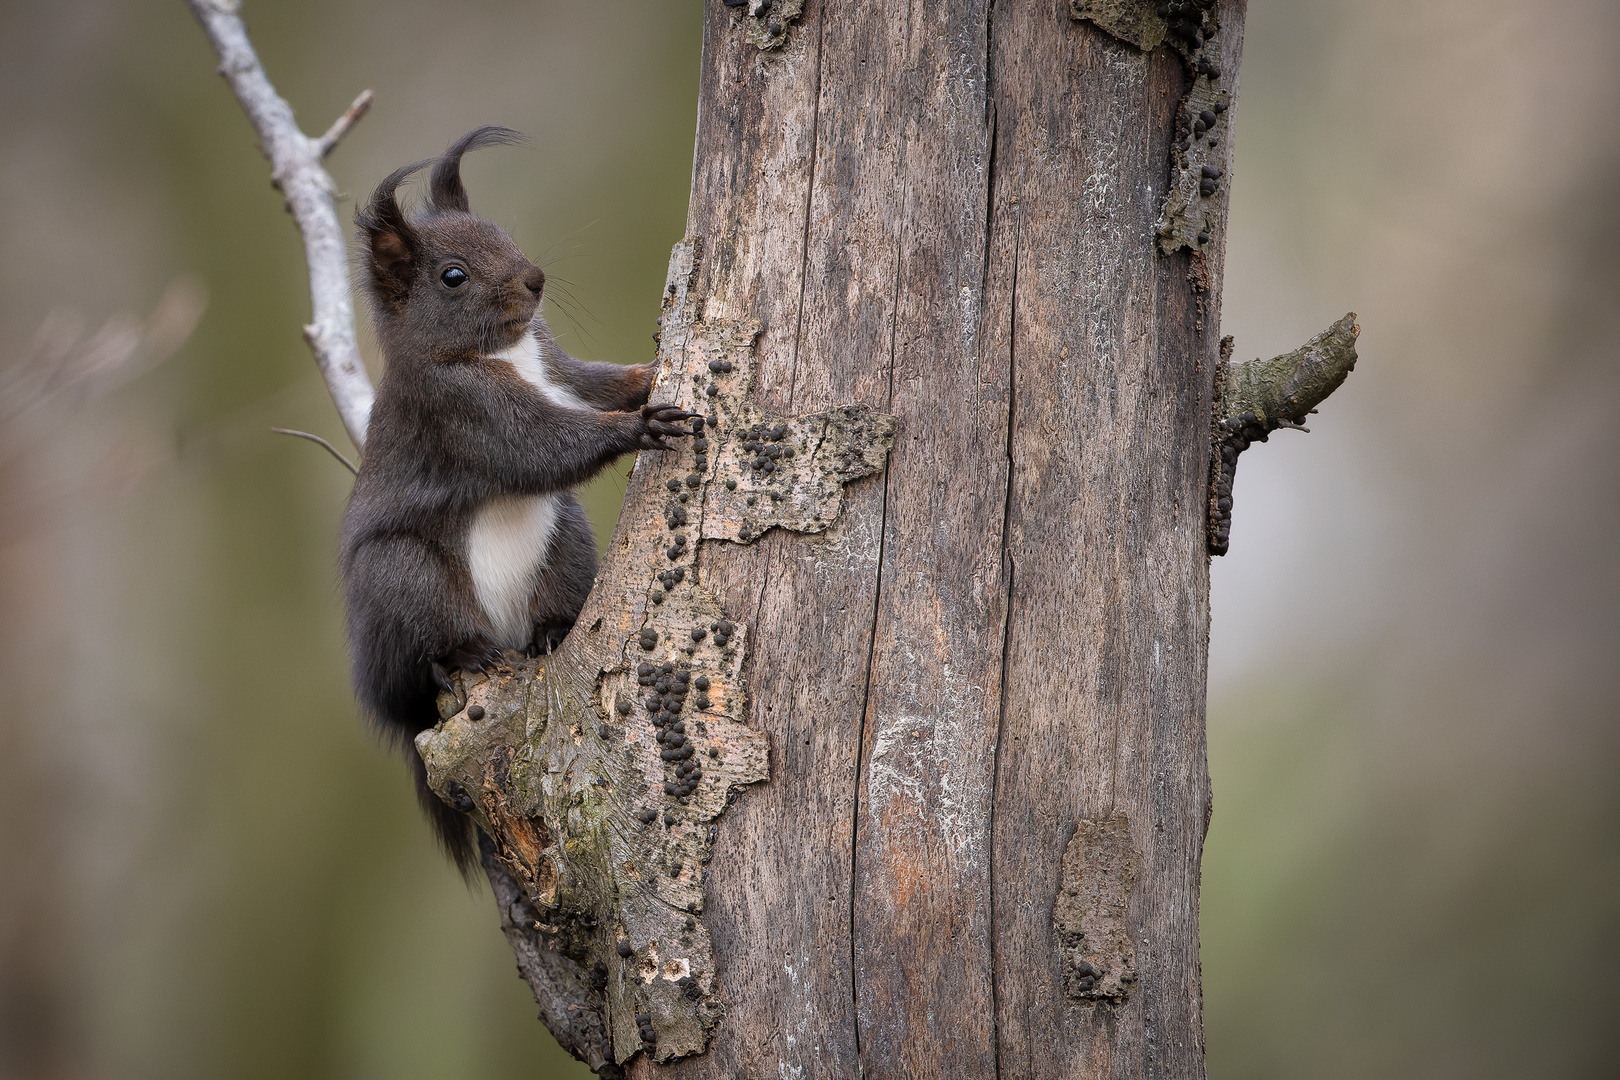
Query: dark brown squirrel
column 463, row 536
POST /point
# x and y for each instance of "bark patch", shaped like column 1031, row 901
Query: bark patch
column 766, row 22
column 752, row 470
column 1134, row 21
column 1195, row 200
column 1100, row 868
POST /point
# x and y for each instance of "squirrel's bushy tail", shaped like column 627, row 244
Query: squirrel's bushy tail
column 453, row 829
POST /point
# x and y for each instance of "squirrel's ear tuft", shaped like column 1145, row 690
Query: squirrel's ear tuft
column 391, row 243
column 447, row 192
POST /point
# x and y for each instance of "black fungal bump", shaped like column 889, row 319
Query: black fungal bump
column 457, row 797
column 475, row 712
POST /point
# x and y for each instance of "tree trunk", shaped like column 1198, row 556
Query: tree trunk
column 974, row 690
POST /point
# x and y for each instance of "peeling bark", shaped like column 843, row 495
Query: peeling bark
column 1100, row 867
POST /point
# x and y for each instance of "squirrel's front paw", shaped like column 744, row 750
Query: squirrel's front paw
column 661, row 420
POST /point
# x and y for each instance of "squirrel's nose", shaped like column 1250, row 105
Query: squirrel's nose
column 535, row 279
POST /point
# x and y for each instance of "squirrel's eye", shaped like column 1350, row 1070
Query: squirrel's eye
column 454, row 277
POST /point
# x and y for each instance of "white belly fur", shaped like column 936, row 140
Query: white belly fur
column 510, row 535
column 507, row 546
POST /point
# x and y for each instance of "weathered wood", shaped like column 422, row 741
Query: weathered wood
column 982, row 682
column 944, row 282
column 1114, row 351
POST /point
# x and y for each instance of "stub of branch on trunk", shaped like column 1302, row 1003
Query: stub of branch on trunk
column 597, row 773
column 1091, row 915
column 1254, row 399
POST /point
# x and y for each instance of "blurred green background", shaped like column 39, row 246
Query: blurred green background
column 209, row 869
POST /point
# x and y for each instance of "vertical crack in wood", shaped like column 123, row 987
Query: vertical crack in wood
column 1007, row 563
column 809, row 196
column 871, row 645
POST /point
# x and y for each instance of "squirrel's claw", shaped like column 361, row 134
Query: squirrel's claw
column 475, row 655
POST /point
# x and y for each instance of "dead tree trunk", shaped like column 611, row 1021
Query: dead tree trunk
column 905, row 779
column 976, row 689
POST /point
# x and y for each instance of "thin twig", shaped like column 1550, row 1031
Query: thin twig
column 340, row 127
column 330, row 449
column 296, row 170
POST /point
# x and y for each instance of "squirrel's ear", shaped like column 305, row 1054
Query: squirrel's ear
column 391, row 243
column 447, row 192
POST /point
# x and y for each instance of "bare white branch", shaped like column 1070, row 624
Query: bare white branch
column 297, row 172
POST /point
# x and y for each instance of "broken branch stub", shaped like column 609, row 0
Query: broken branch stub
column 1254, row 399
column 597, row 773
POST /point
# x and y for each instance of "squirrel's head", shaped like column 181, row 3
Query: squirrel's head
column 448, row 277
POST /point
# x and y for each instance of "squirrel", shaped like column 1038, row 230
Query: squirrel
column 462, row 536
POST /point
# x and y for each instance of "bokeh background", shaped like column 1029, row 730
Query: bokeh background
column 209, row 869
